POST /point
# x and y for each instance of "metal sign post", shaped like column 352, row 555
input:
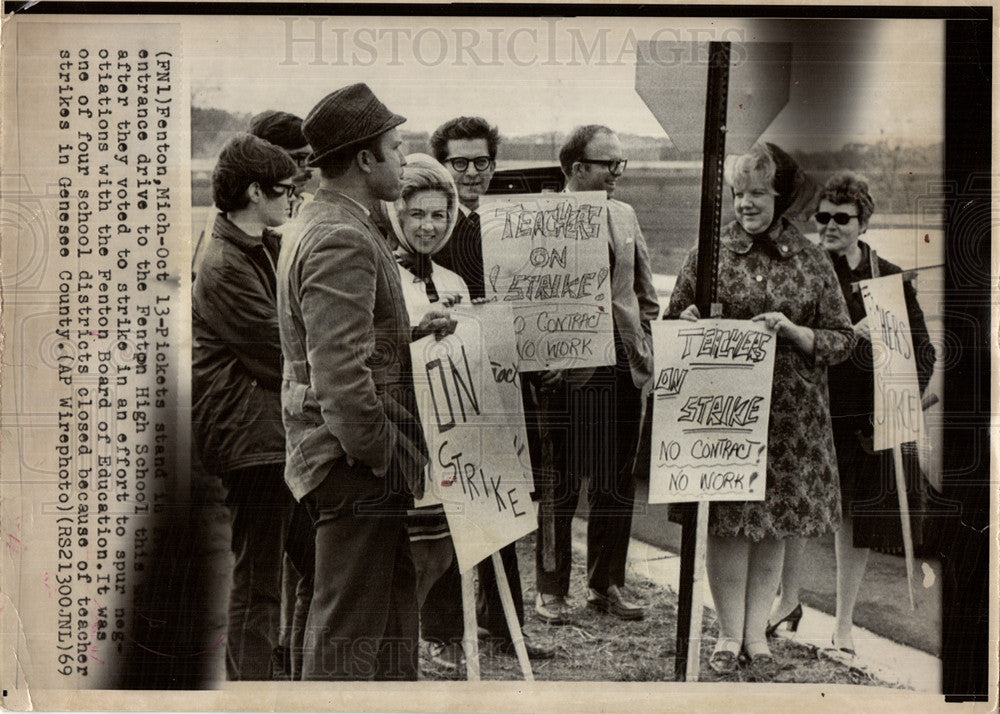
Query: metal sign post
column 741, row 100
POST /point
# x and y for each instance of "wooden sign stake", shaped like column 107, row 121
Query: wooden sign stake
column 697, row 593
column 509, row 612
column 904, row 515
column 470, row 638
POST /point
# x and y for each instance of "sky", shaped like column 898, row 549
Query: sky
column 849, row 80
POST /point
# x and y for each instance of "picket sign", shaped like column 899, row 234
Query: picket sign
column 711, row 408
column 474, row 465
column 546, row 255
column 468, row 396
column 899, row 415
column 470, row 637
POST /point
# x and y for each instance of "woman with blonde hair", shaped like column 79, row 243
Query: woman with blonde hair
column 770, row 273
column 422, row 220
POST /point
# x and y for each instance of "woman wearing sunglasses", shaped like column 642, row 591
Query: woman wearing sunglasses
column 871, row 517
column 769, row 272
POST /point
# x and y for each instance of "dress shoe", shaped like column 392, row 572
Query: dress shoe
column 444, row 659
column 791, row 618
column 725, row 658
column 613, row 603
column 552, row 609
column 506, row 649
column 846, row 650
column 760, row 663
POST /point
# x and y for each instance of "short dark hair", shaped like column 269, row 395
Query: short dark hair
column 337, row 163
column 575, row 145
column 464, row 128
column 243, row 161
column 280, row 128
column 847, row 187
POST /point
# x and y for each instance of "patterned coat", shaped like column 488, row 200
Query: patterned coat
column 783, row 271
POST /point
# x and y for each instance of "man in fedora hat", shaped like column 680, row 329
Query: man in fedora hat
column 355, row 451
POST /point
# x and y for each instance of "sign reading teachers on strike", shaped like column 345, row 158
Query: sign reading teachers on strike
column 712, row 388
column 472, row 442
column 898, row 412
column 547, row 256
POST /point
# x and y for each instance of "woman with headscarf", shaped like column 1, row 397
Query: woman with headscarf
column 867, row 478
column 422, row 220
column 770, row 273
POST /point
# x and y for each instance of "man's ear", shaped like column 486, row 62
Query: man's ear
column 254, row 192
column 365, row 159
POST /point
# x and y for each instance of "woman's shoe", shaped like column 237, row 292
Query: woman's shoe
column 791, row 618
column 761, row 665
column 724, row 659
column 846, row 650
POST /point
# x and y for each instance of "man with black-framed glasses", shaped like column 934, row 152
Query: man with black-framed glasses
column 467, row 146
column 604, row 411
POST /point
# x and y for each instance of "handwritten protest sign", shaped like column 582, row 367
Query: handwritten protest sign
column 710, row 413
column 475, row 466
column 496, row 325
column 898, row 412
column 547, row 256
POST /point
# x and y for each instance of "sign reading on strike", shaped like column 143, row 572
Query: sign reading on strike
column 547, row 256
column 898, row 412
column 712, row 400
column 475, row 468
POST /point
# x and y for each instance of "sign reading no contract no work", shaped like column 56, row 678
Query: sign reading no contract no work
column 546, row 255
column 711, row 401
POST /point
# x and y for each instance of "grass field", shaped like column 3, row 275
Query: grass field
column 594, row 648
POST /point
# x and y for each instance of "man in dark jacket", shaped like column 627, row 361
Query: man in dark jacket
column 236, row 382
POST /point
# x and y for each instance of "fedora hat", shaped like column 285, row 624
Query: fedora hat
column 347, row 116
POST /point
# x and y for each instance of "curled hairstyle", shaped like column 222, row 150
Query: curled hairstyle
column 757, row 165
column 576, row 145
column 244, row 161
column 846, row 187
column 419, row 177
column 464, row 128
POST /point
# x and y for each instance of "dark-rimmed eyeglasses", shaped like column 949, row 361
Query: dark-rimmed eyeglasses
column 288, row 188
column 461, row 163
column 615, row 166
column 841, row 219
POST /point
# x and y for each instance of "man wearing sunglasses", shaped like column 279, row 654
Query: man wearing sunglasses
column 604, row 411
column 236, row 383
